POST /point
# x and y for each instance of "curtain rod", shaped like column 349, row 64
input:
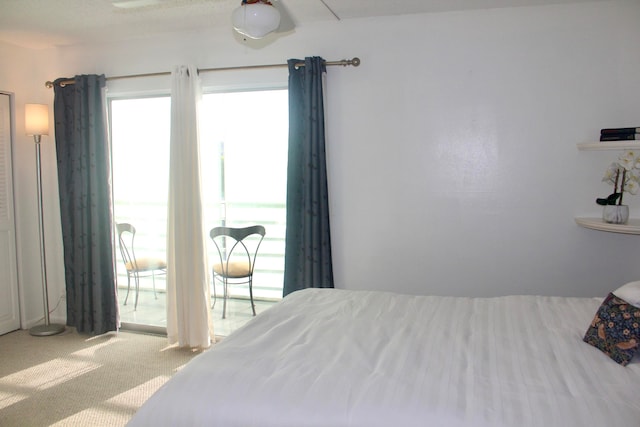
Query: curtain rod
column 344, row 62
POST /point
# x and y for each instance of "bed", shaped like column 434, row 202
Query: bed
column 329, row 357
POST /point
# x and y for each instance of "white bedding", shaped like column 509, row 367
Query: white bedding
column 352, row 358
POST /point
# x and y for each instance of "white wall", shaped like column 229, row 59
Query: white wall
column 452, row 148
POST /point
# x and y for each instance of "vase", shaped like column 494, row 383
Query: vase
column 615, row 214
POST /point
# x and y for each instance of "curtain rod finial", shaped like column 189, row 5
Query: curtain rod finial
column 49, row 84
column 355, row 61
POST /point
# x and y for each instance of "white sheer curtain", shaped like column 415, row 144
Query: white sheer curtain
column 188, row 295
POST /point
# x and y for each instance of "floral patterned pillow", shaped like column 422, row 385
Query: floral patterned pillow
column 615, row 329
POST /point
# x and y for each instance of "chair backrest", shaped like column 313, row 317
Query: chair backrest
column 126, row 244
column 238, row 244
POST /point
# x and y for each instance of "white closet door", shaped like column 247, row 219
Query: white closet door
column 9, row 308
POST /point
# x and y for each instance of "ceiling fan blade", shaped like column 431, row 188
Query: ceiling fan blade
column 286, row 21
column 134, row 4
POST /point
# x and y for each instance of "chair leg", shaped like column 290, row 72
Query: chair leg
column 215, row 297
column 135, row 306
column 224, row 299
column 253, row 306
column 128, row 287
column 153, row 277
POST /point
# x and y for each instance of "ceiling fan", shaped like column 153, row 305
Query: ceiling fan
column 252, row 18
column 136, row 4
column 257, row 18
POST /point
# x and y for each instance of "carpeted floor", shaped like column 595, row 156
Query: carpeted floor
column 78, row 380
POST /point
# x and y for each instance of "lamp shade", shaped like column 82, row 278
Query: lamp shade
column 255, row 20
column 36, row 119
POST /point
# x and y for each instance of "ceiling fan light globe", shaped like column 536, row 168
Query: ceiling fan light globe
column 255, row 20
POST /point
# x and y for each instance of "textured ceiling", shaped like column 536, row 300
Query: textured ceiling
column 47, row 23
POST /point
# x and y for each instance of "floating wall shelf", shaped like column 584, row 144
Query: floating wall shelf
column 632, row 227
column 609, row 145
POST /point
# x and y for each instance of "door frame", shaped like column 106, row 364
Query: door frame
column 10, row 307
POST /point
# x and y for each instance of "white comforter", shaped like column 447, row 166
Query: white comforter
column 351, row 358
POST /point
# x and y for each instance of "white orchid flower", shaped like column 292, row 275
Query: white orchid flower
column 628, row 160
column 632, row 187
column 627, row 155
column 634, row 174
column 610, row 173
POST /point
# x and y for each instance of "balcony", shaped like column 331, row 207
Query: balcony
column 151, row 314
column 150, row 222
column 151, row 238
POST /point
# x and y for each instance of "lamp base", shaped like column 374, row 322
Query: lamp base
column 46, row 330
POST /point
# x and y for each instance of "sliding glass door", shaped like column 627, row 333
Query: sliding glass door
column 243, row 138
column 244, row 167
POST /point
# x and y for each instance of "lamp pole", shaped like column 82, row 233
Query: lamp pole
column 37, row 124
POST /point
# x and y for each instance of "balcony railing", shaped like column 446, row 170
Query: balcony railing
column 151, row 239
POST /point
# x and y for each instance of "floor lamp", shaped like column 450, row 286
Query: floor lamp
column 37, row 124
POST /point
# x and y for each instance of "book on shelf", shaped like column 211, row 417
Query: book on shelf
column 618, row 131
column 621, row 137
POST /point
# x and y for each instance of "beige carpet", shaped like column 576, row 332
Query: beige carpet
column 78, row 380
